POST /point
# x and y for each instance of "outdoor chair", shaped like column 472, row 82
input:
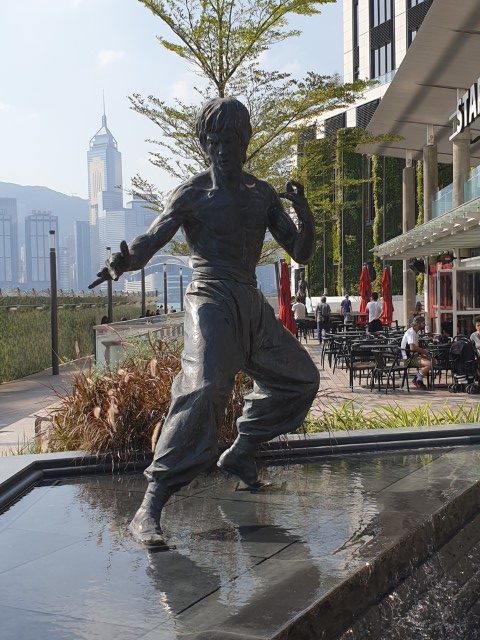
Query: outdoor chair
column 302, row 329
column 388, row 365
column 360, row 361
column 440, row 355
column 328, row 349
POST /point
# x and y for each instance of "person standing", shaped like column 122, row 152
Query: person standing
column 374, row 309
column 346, row 309
column 322, row 317
column 299, row 315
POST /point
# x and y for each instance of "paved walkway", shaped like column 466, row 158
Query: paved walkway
column 335, row 388
column 21, row 401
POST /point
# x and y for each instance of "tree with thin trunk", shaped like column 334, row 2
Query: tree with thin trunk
column 223, row 41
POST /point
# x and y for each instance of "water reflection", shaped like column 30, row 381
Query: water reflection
column 241, row 558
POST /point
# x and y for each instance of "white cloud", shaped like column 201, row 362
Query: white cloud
column 4, row 107
column 108, row 56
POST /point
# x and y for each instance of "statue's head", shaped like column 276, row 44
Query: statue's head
column 224, row 119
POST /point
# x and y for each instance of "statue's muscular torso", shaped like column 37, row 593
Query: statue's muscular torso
column 225, row 228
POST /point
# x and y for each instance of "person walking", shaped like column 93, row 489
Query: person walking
column 346, row 309
column 322, row 317
column 300, row 315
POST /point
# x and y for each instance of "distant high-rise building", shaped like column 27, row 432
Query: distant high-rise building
column 104, row 182
column 37, row 247
column 8, row 243
column 144, row 216
column 64, row 269
column 83, row 261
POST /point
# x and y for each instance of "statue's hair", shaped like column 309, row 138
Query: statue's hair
column 220, row 114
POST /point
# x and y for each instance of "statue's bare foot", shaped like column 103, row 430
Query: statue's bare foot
column 147, row 531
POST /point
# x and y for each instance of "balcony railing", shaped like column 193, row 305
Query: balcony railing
column 443, row 202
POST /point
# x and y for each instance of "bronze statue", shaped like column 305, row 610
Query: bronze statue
column 229, row 326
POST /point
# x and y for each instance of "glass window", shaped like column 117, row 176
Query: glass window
column 382, row 60
column 381, row 11
column 355, row 23
column 468, row 290
column 413, row 3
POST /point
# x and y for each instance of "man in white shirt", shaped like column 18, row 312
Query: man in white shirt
column 421, row 358
column 299, row 309
column 374, row 309
column 299, row 315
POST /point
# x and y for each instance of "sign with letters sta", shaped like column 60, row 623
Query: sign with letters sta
column 468, row 109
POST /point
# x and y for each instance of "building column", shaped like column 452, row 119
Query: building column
column 408, row 222
column 461, row 166
column 430, row 173
column 430, row 190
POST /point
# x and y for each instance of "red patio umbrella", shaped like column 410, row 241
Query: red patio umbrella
column 387, row 312
column 364, row 288
column 285, row 312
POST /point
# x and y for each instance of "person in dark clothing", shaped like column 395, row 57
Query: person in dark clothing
column 322, row 317
column 229, row 325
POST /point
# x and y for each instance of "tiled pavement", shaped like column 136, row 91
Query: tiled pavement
column 335, row 389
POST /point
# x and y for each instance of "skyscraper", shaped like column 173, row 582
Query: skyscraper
column 8, row 242
column 104, row 184
column 83, row 261
column 37, row 247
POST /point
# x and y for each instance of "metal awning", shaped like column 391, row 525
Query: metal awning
column 444, row 57
column 457, row 229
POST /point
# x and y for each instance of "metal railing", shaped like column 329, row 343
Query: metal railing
column 112, row 341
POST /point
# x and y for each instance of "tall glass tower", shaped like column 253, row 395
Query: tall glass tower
column 104, row 183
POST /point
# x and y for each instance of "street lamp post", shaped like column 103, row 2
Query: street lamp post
column 165, row 298
column 53, row 304
column 109, row 291
column 144, row 303
column 181, row 289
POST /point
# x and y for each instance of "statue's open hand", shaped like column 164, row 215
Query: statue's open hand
column 296, row 194
column 115, row 266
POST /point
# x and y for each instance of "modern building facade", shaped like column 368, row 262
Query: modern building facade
column 37, row 247
column 376, row 37
column 9, row 253
column 432, row 107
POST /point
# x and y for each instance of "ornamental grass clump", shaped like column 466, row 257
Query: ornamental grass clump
column 122, row 410
column 349, row 416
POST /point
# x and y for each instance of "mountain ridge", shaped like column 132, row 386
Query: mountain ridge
column 68, row 208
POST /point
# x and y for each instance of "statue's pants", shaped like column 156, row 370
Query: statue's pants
column 230, row 327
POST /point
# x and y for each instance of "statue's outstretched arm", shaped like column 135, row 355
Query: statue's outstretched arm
column 144, row 246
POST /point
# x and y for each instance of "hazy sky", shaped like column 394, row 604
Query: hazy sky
column 58, row 55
